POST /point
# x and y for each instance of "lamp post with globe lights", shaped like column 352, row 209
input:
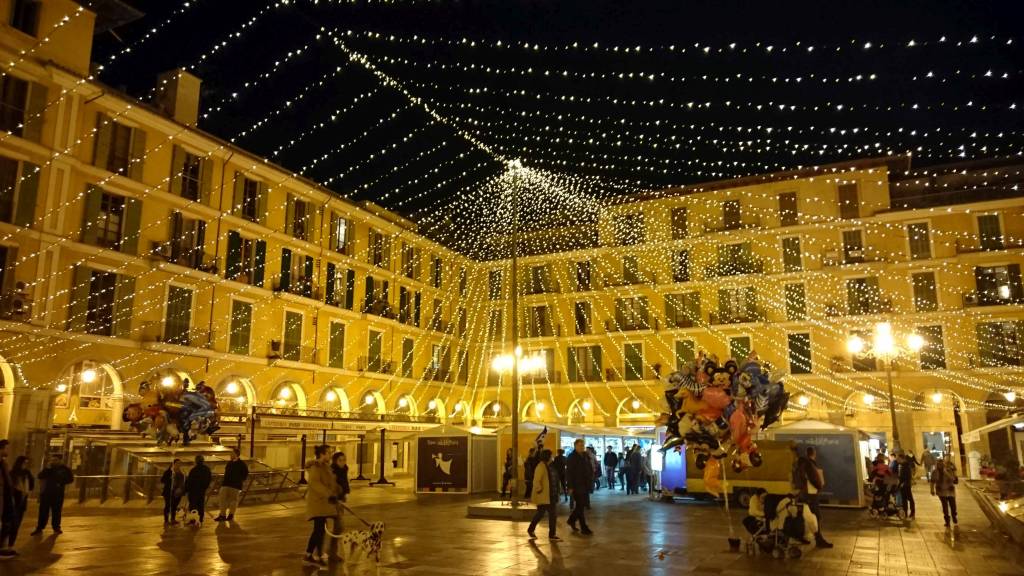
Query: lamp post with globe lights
column 517, row 364
column 884, row 347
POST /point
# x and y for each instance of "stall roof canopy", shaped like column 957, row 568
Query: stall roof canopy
column 449, row 430
column 578, row 430
column 815, row 426
column 975, row 435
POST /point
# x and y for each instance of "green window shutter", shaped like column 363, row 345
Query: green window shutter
column 261, row 204
column 368, row 295
column 233, row 266
column 573, row 361
column 138, row 154
column 34, row 112
column 307, row 270
column 238, row 194
column 177, row 167
column 286, row 269
column 260, row 266
column 329, row 288
column 28, row 191
column 241, row 325
column 78, row 299
column 93, row 199
column 289, row 215
column 350, row 288
column 1016, row 287
column 416, row 309
column 124, row 294
column 337, row 346
column 205, row 179
column 104, row 133
column 130, row 229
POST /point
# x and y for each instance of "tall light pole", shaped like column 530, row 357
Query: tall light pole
column 884, row 347
column 518, row 364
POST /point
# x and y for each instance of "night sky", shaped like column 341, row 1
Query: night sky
column 626, row 146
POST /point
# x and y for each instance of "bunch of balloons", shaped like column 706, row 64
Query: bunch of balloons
column 715, row 410
column 170, row 411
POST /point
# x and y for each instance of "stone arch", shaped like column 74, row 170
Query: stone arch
column 333, row 398
column 437, row 407
column 411, row 407
column 235, row 393
column 634, row 410
column 583, row 410
column 378, row 406
column 488, row 415
column 96, row 378
column 287, row 394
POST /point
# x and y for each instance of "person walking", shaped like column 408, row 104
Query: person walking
column 580, row 478
column 633, row 474
column 339, row 467
column 928, row 463
column 611, row 462
column 22, row 484
column 506, row 474
column 528, row 466
column 173, row 480
column 235, row 474
column 809, row 479
column 321, row 502
column 943, row 481
column 905, row 473
column 52, row 481
column 196, row 484
column 6, row 504
column 595, row 468
column 558, row 463
column 545, row 496
column 623, row 469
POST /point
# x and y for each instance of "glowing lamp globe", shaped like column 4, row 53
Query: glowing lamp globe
column 1010, row 396
column 285, row 393
column 403, row 402
column 62, row 388
column 540, row 406
column 855, row 345
column 937, row 398
column 803, row 400
column 587, row 405
column 495, row 408
column 368, row 399
column 167, row 381
column 331, row 396
column 231, row 388
column 636, row 404
column 88, row 376
column 915, row 342
column 432, row 405
column 869, row 399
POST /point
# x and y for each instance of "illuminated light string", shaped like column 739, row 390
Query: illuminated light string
column 380, row 122
column 150, row 33
column 335, row 114
column 287, row 105
column 399, row 167
column 762, row 47
column 377, row 155
column 398, row 190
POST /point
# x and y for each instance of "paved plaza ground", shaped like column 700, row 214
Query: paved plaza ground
column 432, row 536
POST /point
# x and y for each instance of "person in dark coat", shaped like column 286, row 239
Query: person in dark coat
column 22, row 484
column 635, row 469
column 809, row 479
column 174, row 488
column 235, row 474
column 196, row 484
column 580, row 479
column 545, row 496
column 52, row 481
column 6, row 504
column 905, row 473
column 611, row 462
column 558, row 465
column 506, row 474
column 528, row 466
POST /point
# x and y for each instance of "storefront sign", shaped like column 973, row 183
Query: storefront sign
column 442, row 464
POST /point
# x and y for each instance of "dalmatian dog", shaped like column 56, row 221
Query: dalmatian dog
column 369, row 540
column 192, row 519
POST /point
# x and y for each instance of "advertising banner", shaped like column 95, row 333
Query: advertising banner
column 838, row 458
column 442, row 464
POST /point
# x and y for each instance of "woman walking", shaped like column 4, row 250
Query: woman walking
column 22, row 483
column 174, row 488
column 544, row 495
column 944, row 481
column 506, row 474
column 339, row 466
column 321, row 502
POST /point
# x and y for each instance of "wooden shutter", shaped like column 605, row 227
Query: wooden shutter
column 329, row 288
column 368, row 296
column 28, row 190
column 177, row 167
column 104, row 134
column 260, row 266
column 177, row 230
column 130, row 228
column 574, row 359
column 78, row 299
column 205, row 179
column 261, row 204
column 333, row 232
column 138, row 154
column 35, row 107
column 289, row 216
column 233, row 265
column 238, row 194
column 416, row 309
column 350, row 288
column 286, row 269
column 1016, row 289
column 124, row 294
column 307, row 271
column 93, row 199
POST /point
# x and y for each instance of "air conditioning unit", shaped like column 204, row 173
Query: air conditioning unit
column 16, row 306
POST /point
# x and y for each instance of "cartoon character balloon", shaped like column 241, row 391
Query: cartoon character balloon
column 172, row 412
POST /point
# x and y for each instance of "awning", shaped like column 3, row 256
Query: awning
column 975, row 435
column 577, row 430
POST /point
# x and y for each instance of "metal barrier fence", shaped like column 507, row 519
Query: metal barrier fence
column 262, row 485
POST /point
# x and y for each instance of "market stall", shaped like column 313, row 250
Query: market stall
column 454, row 460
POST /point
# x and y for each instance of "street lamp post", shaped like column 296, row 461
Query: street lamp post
column 518, row 364
column 884, row 347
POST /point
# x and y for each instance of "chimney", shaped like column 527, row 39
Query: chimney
column 178, row 95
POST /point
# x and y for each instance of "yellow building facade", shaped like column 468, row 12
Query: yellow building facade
column 137, row 247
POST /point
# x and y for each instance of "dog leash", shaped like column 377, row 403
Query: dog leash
column 356, row 516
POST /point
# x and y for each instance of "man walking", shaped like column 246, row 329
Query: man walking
column 580, row 477
column 905, row 472
column 52, row 481
column 6, row 504
column 809, row 479
column 174, row 487
column 611, row 461
column 235, row 474
column 196, row 483
column 558, row 464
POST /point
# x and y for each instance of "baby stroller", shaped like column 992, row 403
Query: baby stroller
column 884, row 502
column 782, row 528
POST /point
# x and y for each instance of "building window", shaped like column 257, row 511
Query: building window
column 494, row 284
column 495, row 328
column 435, row 318
column 292, row 336
column 792, row 257
column 849, row 203
column 408, row 345
column 686, row 354
column 120, row 158
column 179, row 315
column 679, row 217
column 380, row 250
column 863, row 362
column 539, row 323
column 341, row 234
column 788, row 213
column 682, row 310
column 737, row 305
column 585, row 364
column 633, row 353
column 462, row 281
column 336, row 346
column 249, row 207
column 25, row 16
column 461, row 322
column 246, row 259
column 191, row 176
column 241, row 327
column 990, row 232
column 997, row 285
column 297, row 218
column 540, row 280
column 933, row 353
column 13, row 99
column 100, row 316
column 731, row 214
column 628, row 229
column 925, row 296
column 681, row 266
column 632, row 314
column 1000, row 343
column 796, row 302
column 582, row 276
column 920, row 242
column 582, row 316
column 740, row 348
column 800, row 353
column 410, row 262
column 630, row 270
column 863, row 296
column 374, row 347
column 853, row 246
column 437, row 273
column 109, row 221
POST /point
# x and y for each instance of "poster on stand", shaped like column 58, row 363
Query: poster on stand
column 442, row 464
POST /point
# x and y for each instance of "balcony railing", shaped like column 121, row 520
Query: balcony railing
column 1005, row 244
column 376, row 365
column 624, row 326
column 188, row 256
column 716, row 226
column 983, row 298
column 734, row 268
column 441, row 374
column 379, row 308
column 531, row 330
column 623, row 280
column 548, row 377
column 301, row 286
column 833, row 258
column 531, row 288
column 680, row 322
column 298, row 353
column 194, row 337
column 738, row 317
